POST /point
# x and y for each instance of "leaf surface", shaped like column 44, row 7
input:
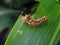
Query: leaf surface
column 46, row 34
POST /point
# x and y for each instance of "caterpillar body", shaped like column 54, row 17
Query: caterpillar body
column 32, row 22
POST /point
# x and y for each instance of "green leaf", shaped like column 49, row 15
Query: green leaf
column 46, row 34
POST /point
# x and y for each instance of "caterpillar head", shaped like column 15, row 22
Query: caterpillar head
column 26, row 18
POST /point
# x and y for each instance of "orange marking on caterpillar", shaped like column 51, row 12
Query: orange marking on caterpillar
column 33, row 22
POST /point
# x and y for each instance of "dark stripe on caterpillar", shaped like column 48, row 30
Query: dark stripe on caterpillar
column 33, row 22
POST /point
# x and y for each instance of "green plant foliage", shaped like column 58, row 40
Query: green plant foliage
column 46, row 34
column 7, row 18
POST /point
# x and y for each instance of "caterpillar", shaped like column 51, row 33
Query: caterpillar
column 32, row 22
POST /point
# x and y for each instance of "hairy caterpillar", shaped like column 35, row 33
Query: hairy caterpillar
column 33, row 22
